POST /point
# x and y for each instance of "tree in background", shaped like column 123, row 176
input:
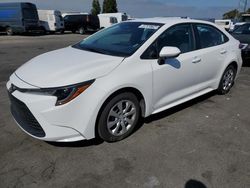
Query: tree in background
column 96, row 8
column 104, row 5
column 109, row 6
column 231, row 14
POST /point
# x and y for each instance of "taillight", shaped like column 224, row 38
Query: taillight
column 88, row 19
column 243, row 46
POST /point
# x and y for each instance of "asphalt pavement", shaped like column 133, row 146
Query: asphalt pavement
column 202, row 143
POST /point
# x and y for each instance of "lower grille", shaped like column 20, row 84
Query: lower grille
column 25, row 118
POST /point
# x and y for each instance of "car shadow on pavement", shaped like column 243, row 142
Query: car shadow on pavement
column 178, row 108
column 78, row 144
column 194, row 184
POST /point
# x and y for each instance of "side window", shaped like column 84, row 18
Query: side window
column 210, row 36
column 180, row 36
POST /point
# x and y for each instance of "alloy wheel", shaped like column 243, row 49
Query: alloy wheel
column 121, row 117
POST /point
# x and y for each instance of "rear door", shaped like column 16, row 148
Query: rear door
column 212, row 45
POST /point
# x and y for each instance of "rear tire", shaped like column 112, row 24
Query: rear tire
column 9, row 31
column 82, row 31
column 227, row 80
column 119, row 117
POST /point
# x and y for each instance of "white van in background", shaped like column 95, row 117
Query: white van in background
column 51, row 21
column 120, row 16
column 226, row 24
column 106, row 20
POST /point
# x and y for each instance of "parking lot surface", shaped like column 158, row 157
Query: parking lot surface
column 203, row 143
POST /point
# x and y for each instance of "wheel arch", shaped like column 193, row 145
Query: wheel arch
column 133, row 90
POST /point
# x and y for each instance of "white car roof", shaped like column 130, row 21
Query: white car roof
column 170, row 20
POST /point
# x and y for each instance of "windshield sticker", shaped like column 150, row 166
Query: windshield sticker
column 154, row 27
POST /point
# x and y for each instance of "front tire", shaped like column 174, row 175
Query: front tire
column 9, row 31
column 119, row 117
column 82, row 31
column 227, row 80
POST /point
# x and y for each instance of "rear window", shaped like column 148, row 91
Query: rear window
column 244, row 29
column 73, row 18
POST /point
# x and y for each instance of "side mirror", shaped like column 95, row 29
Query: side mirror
column 168, row 52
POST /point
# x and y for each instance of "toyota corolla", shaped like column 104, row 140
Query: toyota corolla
column 101, row 86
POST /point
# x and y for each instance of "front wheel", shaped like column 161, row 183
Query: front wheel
column 119, row 117
column 9, row 31
column 227, row 80
column 82, row 31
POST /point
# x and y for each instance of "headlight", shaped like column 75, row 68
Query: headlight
column 63, row 94
column 67, row 94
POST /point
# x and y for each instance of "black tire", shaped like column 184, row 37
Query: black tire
column 73, row 31
column 227, row 80
column 82, row 30
column 102, row 125
column 62, row 32
column 9, row 31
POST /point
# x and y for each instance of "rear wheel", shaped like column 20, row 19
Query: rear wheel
column 82, row 31
column 119, row 117
column 9, row 31
column 227, row 80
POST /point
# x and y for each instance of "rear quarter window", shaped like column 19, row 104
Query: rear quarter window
column 209, row 36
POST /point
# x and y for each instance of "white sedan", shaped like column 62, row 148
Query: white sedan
column 101, row 86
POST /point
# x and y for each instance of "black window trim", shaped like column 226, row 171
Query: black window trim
column 190, row 24
column 197, row 36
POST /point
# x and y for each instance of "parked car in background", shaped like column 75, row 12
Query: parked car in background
column 51, row 21
column 80, row 22
column 106, row 20
column 101, row 86
column 18, row 18
column 120, row 16
column 242, row 33
column 244, row 18
column 226, row 24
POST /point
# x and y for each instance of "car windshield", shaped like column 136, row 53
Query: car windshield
column 243, row 29
column 121, row 39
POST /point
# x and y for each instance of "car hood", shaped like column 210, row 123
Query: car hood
column 65, row 67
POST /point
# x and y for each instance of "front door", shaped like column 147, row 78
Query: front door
column 178, row 77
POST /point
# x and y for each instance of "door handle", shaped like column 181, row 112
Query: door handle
column 223, row 52
column 196, row 60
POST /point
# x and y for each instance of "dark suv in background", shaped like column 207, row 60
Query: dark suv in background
column 81, row 23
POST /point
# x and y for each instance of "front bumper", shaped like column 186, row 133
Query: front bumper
column 37, row 115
